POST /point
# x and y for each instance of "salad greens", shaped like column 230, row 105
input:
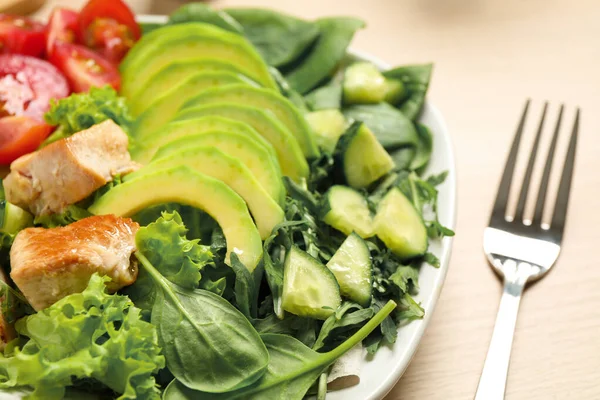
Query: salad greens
column 79, row 337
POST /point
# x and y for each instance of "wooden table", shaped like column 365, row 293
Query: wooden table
column 490, row 56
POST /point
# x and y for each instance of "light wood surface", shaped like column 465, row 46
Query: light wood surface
column 490, row 56
column 20, row 6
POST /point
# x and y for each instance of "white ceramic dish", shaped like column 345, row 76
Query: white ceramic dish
column 380, row 373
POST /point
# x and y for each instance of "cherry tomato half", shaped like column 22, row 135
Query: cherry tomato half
column 19, row 136
column 21, row 35
column 108, row 27
column 84, row 68
column 62, row 27
column 27, row 84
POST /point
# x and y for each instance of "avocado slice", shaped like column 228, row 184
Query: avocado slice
column 250, row 153
column 215, row 163
column 171, row 75
column 289, row 153
column 266, row 99
column 184, row 41
column 164, row 108
column 186, row 186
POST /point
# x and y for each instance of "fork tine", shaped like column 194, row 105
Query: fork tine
column 541, row 199
column 562, row 198
column 520, row 210
column 499, row 210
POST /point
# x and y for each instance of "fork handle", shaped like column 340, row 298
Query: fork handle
column 492, row 384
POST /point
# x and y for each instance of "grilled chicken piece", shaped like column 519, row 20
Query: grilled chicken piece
column 68, row 170
column 49, row 264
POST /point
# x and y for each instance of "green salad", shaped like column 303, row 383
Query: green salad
column 283, row 208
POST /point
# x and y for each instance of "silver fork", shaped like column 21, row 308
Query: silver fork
column 521, row 250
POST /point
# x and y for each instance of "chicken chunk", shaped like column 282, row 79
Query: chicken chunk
column 68, row 170
column 49, row 264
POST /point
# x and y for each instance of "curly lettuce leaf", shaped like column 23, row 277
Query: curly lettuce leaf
column 83, row 110
column 85, row 335
column 165, row 245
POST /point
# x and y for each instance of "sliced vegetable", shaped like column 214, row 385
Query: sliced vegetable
column 309, row 288
column 84, row 68
column 279, row 38
column 62, row 28
column 363, row 158
column 351, row 264
column 13, row 218
column 363, row 84
column 328, row 51
column 27, row 84
column 395, row 91
column 328, row 126
column 21, row 35
column 416, row 81
column 400, row 226
column 347, row 210
column 19, row 136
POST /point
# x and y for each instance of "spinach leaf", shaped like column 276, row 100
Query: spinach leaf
column 285, row 89
column 244, row 288
column 198, row 12
column 424, row 148
column 325, row 55
column 279, row 38
column 148, row 27
column 416, row 81
column 207, row 343
column 303, row 329
column 293, row 367
column 390, row 126
column 325, row 97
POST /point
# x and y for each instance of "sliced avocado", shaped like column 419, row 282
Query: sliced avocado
column 184, row 41
column 265, row 99
column 289, row 153
column 215, row 163
column 249, row 152
column 186, row 186
column 164, row 108
column 172, row 74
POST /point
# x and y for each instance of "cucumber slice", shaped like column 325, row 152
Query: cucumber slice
column 400, row 226
column 395, row 91
column 13, row 218
column 309, row 288
column 347, row 211
column 351, row 264
column 364, row 159
column 328, row 126
column 363, row 84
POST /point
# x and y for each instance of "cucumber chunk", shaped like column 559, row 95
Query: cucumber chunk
column 395, row 91
column 309, row 288
column 364, row 159
column 13, row 218
column 328, row 126
column 400, row 226
column 347, row 211
column 363, row 84
column 351, row 264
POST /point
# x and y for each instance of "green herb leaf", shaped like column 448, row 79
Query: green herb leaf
column 279, row 38
column 79, row 336
column 292, row 370
column 416, row 80
column 72, row 213
column 424, row 148
column 244, row 288
column 348, row 316
column 198, row 12
column 325, row 97
column 404, row 276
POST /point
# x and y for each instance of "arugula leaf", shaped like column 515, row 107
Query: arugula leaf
column 409, row 309
column 279, row 38
column 416, row 80
column 84, row 335
column 165, row 245
column 348, row 316
column 325, row 55
column 208, row 344
column 293, row 367
column 404, row 276
column 198, row 12
column 83, row 110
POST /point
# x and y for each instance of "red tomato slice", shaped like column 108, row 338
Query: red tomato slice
column 19, row 136
column 84, row 68
column 108, row 27
column 62, row 27
column 21, row 35
column 27, row 84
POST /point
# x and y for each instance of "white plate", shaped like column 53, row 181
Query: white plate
column 380, row 373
